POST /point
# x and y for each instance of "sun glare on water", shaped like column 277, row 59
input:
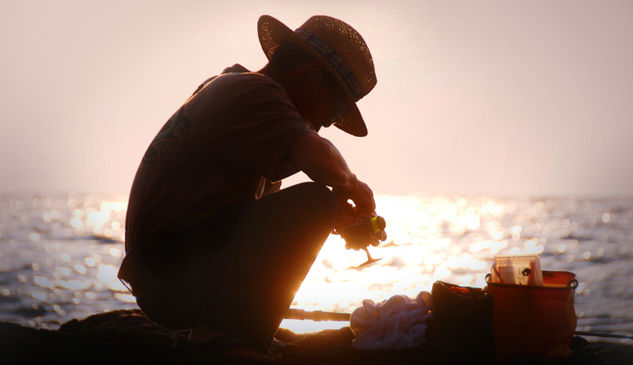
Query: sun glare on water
column 429, row 239
column 70, row 250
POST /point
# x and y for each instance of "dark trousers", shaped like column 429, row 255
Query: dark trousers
column 237, row 273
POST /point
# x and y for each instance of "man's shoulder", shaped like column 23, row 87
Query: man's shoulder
column 235, row 68
column 251, row 85
column 251, row 78
column 237, row 76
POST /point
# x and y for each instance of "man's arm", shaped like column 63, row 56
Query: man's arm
column 323, row 163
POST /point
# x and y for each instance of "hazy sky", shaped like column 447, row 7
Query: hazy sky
column 495, row 97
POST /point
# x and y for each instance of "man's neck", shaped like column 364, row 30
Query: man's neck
column 274, row 74
column 292, row 82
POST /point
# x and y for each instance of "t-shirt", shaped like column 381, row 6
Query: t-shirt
column 226, row 144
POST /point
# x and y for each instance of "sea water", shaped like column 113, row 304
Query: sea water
column 59, row 254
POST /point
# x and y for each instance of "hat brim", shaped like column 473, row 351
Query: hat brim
column 273, row 33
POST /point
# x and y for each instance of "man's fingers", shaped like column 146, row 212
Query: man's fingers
column 361, row 195
column 364, row 199
column 367, row 206
column 364, row 211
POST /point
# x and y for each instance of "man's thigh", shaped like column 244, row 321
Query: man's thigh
column 282, row 227
column 245, row 265
column 268, row 250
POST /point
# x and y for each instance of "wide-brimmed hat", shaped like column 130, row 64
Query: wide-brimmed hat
column 341, row 50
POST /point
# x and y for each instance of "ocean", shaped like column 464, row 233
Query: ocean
column 59, row 254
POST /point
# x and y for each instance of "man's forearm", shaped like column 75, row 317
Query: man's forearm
column 322, row 162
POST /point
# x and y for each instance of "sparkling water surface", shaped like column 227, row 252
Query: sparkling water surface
column 59, row 254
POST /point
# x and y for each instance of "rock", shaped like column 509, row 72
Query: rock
column 128, row 337
column 25, row 345
column 123, row 336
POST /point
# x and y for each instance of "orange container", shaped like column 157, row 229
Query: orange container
column 531, row 320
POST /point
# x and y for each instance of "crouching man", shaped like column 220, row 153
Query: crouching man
column 212, row 243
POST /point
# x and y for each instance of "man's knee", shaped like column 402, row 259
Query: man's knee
column 317, row 199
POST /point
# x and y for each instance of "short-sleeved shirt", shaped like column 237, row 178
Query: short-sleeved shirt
column 225, row 145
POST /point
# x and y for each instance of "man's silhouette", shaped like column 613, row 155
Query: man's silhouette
column 212, row 242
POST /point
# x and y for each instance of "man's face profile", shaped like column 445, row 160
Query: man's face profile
column 321, row 99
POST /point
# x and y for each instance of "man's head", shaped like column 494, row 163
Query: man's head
column 325, row 66
column 313, row 89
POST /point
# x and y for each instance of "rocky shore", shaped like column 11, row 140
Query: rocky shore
column 128, row 337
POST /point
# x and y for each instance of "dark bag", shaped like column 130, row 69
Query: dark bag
column 462, row 317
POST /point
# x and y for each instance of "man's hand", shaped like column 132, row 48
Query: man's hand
column 362, row 197
column 323, row 163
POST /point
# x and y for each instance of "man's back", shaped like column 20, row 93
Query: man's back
column 213, row 151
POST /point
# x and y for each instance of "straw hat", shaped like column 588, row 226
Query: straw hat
column 341, row 50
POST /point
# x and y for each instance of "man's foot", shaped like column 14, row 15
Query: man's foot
column 201, row 334
column 203, row 338
column 207, row 340
column 250, row 356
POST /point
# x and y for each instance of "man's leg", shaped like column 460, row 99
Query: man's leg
column 269, row 250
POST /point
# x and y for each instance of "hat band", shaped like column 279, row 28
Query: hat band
column 332, row 58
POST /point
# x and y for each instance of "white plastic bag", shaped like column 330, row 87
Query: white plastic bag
column 396, row 323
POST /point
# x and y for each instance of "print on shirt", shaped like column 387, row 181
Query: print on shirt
column 177, row 126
